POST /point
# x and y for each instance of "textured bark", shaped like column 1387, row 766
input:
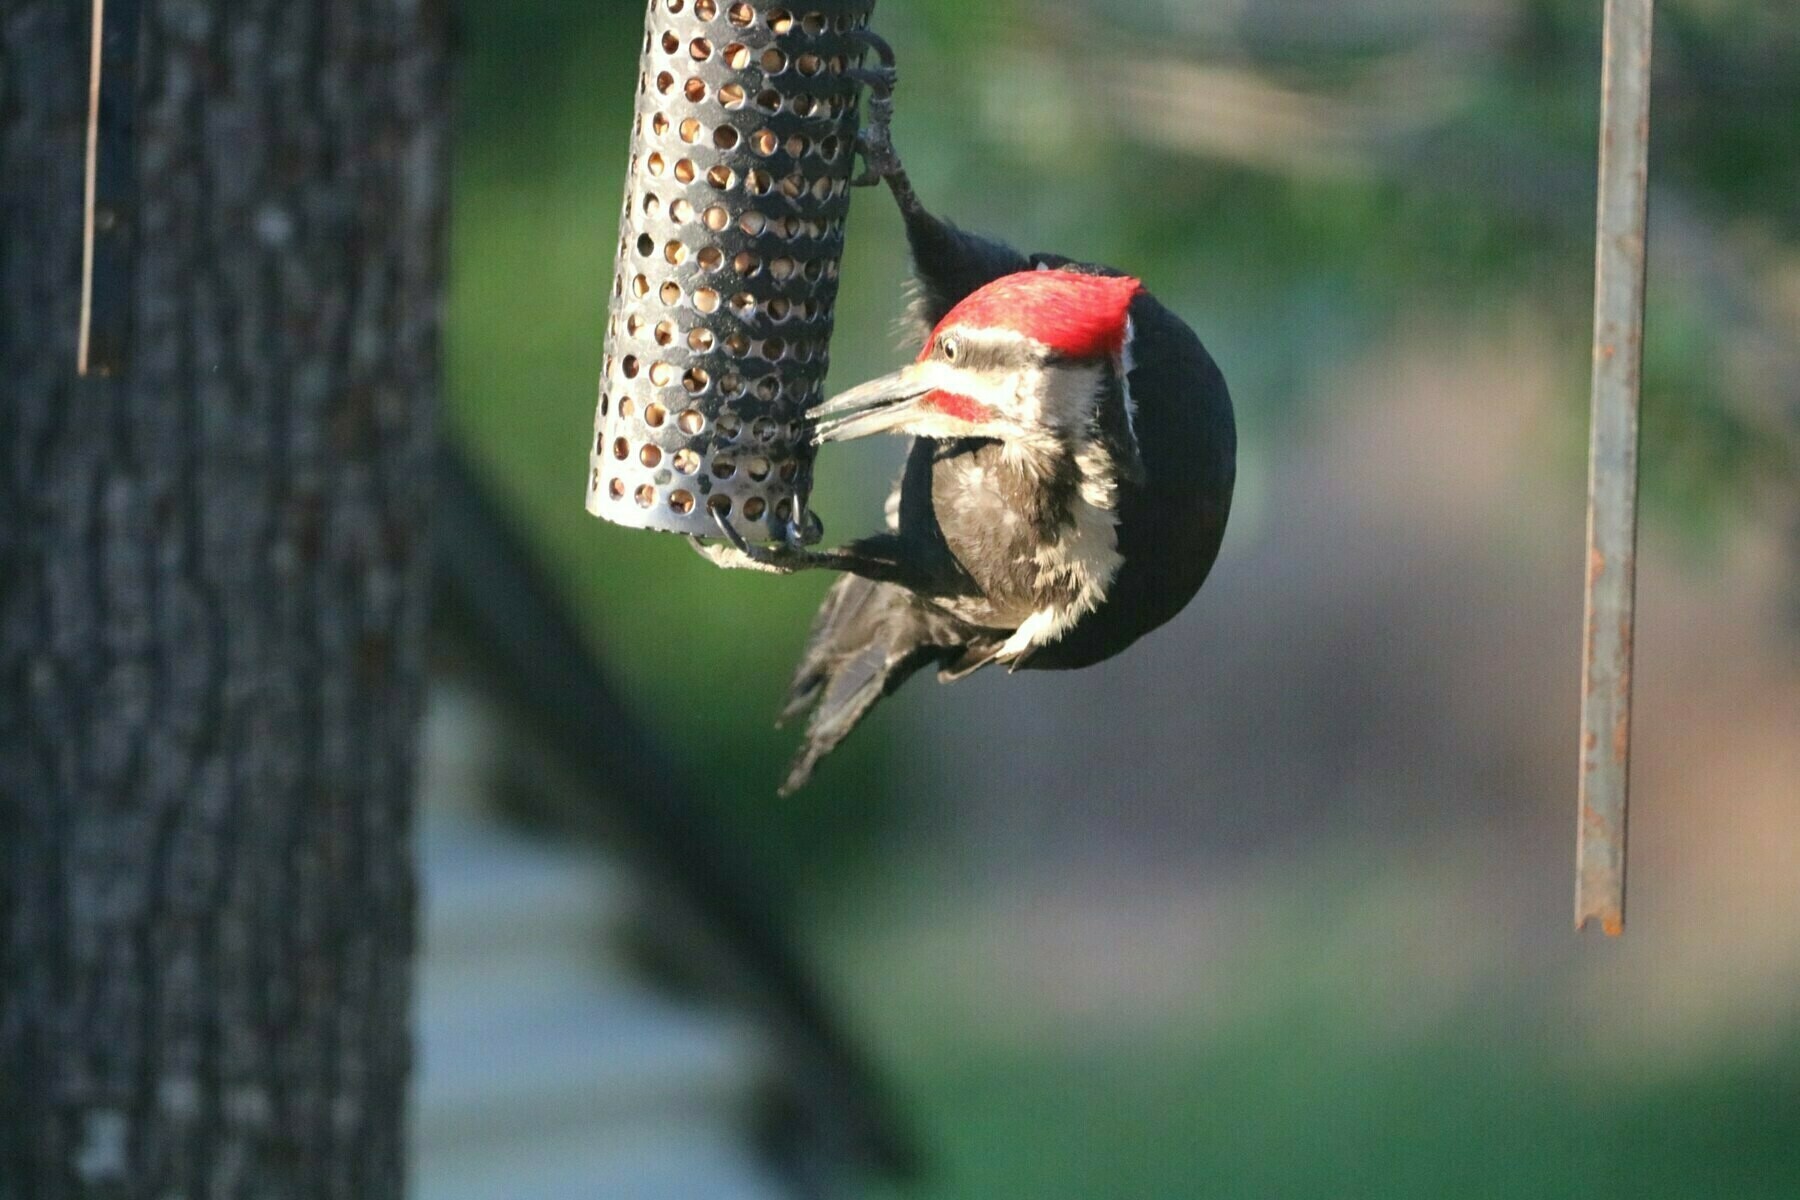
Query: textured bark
column 212, row 602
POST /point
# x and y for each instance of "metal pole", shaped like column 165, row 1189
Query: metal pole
column 1613, row 464
column 97, row 16
column 109, row 200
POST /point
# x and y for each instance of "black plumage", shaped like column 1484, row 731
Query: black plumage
column 956, row 577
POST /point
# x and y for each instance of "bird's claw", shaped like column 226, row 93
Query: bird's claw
column 875, row 139
column 740, row 554
column 808, row 530
column 877, row 43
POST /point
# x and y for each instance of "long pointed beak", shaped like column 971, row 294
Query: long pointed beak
column 882, row 405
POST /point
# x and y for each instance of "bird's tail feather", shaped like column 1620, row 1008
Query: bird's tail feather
column 867, row 640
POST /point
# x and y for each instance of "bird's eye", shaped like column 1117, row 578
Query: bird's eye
column 950, row 348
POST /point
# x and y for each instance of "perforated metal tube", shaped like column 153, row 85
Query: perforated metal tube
column 727, row 268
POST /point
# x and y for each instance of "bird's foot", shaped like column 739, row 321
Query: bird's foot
column 875, row 140
column 740, row 554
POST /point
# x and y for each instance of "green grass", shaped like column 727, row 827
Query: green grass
column 1290, row 1110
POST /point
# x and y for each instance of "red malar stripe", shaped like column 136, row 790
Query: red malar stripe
column 961, row 407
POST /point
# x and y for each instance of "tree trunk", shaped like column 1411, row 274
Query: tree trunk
column 212, row 585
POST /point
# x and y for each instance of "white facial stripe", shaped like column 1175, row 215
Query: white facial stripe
column 1125, row 366
column 993, row 389
column 988, row 338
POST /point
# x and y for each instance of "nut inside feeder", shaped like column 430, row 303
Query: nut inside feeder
column 727, row 271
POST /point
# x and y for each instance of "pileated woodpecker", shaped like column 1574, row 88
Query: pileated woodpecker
column 1067, row 487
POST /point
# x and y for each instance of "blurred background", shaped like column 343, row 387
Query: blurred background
column 1277, row 903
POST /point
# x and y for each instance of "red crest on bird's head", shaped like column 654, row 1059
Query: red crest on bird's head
column 1081, row 316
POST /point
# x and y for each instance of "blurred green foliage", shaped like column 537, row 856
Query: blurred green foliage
column 1287, row 273
column 1289, row 1111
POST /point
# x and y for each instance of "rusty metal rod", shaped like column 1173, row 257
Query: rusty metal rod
column 1620, row 239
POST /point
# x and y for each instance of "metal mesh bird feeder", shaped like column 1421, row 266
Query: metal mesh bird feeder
column 727, row 269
